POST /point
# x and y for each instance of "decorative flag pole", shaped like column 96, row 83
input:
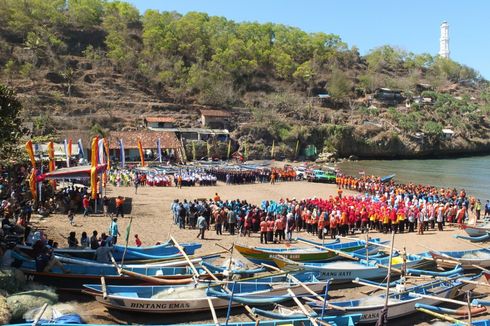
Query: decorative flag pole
column 32, row 177
column 93, row 170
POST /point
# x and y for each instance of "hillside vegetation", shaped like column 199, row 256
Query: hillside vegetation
column 97, row 65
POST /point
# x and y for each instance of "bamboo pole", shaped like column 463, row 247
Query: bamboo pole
column 338, row 252
column 302, row 307
column 370, row 242
column 475, row 283
column 182, row 251
column 442, row 316
column 213, row 312
column 40, row 314
column 379, row 287
column 426, row 296
column 104, row 287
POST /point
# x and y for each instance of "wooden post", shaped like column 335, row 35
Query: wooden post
column 388, row 277
column 213, row 312
column 468, row 299
column 104, row 287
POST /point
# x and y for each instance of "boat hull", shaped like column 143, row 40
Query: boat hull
column 194, row 304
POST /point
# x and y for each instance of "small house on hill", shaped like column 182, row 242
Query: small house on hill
column 215, row 119
column 388, row 96
column 159, row 122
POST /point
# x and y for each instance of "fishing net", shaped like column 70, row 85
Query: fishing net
column 21, row 302
column 51, row 312
column 181, row 293
column 11, row 280
column 5, row 314
column 476, row 255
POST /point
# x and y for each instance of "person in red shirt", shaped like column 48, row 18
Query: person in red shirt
column 137, row 241
column 270, row 229
column 86, row 205
column 279, row 227
column 263, row 231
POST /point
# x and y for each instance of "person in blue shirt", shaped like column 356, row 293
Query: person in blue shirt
column 114, row 231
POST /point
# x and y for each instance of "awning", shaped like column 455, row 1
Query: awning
column 76, row 172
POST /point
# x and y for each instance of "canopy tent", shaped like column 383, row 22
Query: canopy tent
column 76, row 172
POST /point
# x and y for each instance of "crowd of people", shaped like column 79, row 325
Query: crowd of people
column 378, row 206
column 258, row 175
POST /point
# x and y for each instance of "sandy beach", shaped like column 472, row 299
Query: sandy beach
column 152, row 221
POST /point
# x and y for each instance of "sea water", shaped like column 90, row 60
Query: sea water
column 469, row 173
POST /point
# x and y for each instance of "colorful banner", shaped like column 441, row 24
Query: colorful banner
column 101, row 154
column 297, row 148
column 159, row 150
column 122, row 155
column 193, row 151
column 142, row 156
column 273, row 148
column 81, row 154
column 93, row 171
column 245, row 151
column 108, row 157
column 208, row 147
column 30, row 151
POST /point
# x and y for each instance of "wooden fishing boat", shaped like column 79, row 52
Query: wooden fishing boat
column 348, row 320
column 346, row 271
column 469, row 259
column 400, row 303
column 191, row 298
column 78, row 275
column 476, row 230
column 260, row 255
column 163, row 251
column 462, row 311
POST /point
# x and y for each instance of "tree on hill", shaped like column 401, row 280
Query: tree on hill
column 10, row 123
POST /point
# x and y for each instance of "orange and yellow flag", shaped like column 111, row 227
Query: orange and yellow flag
column 142, row 156
column 30, row 151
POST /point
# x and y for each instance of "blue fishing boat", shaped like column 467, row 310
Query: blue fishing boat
column 78, row 275
column 191, row 298
column 346, row 271
column 166, row 250
column 388, row 178
column 401, row 302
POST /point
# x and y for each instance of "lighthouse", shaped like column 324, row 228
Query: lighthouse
column 444, row 41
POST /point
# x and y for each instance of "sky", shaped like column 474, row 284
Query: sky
column 411, row 25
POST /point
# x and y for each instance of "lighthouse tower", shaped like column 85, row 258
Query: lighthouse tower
column 444, row 41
